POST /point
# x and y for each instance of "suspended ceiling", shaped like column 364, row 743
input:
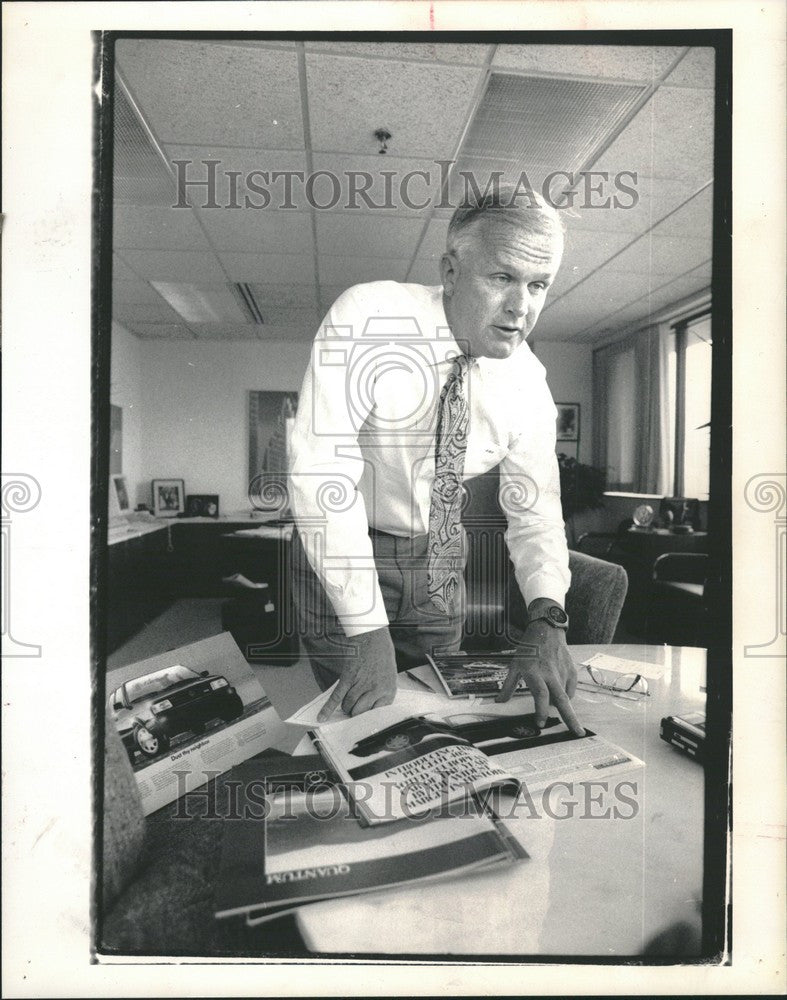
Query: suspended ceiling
column 313, row 106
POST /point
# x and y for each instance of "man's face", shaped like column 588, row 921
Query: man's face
column 495, row 291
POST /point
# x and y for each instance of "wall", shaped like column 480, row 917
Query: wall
column 196, row 410
column 125, row 390
column 187, row 401
column 570, row 379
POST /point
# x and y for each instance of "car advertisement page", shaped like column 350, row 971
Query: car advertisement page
column 188, row 715
column 399, row 766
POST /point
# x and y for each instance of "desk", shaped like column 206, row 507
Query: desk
column 593, row 886
column 152, row 563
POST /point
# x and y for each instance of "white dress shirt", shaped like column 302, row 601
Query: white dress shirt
column 362, row 451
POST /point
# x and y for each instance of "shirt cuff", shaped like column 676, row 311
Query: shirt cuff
column 545, row 586
column 359, row 605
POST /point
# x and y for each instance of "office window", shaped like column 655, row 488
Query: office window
column 693, row 350
column 652, row 409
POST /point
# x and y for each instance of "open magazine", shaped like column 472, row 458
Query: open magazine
column 474, row 675
column 188, row 715
column 396, row 766
column 298, row 841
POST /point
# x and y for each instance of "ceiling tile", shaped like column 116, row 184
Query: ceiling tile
column 423, row 106
column 440, row 52
column 248, row 230
column 652, row 301
column 399, row 192
column 144, row 312
column 671, row 136
column 696, row 69
column 157, row 228
column 351, row 236
column 225, row 331
column 584, row 253
column 602, row 294
column 279, row 334
column 476, row 173
column 649, row 201
column 128, row 292
column 694, row 218
column 300, row 296
column 269, row 268
column 200, row 93
column 121, row 271
column 355, row 270
column 663, row 255
column 292, row 316
column 245, row 161
column 174, row 265
column 621, row 62
column 424, row 272
column 433, row 245
column 161, row 331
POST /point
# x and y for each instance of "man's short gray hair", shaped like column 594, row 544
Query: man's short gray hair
column 525, row 210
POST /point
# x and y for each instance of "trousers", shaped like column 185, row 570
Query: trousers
column 416, row 626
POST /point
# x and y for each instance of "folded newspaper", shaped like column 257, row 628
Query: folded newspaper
column 396, row 766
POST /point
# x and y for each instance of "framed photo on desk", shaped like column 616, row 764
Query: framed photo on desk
column 168, row 497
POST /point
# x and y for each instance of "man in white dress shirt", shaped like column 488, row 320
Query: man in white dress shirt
column 364, row 459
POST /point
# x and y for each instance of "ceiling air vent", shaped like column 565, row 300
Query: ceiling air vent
column 538, row 125
column 140, row 176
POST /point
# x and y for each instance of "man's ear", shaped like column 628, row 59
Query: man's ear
column 449, row 269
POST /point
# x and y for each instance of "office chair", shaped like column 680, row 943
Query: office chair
column 494, row 601
column 677, row 612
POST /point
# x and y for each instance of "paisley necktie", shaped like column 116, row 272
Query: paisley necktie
column 446, row 538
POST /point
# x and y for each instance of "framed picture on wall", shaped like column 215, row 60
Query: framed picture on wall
column 567, row 421
column 168, row 497
column 119, row 503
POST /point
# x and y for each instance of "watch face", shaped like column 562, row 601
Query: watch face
column 557, row 615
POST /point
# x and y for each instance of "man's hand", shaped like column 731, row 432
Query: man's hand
column 368, row 679
column 550, row 675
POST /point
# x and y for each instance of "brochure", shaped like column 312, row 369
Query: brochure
column 291, row 847
column 188, row 715
column 474, row 675
column 395, row 767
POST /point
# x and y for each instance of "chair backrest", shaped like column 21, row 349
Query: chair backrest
column 594, row 600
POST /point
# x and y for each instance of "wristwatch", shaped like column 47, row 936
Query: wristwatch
column 554, row 615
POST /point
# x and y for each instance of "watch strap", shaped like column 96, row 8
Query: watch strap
column 553, row 615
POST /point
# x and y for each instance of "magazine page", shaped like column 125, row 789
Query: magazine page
column 474, row 675
column 537, row 759
column 287, row 848
column 189, row 715
column 395, row 765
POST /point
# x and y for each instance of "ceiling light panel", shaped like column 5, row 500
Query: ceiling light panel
column 202, row 303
